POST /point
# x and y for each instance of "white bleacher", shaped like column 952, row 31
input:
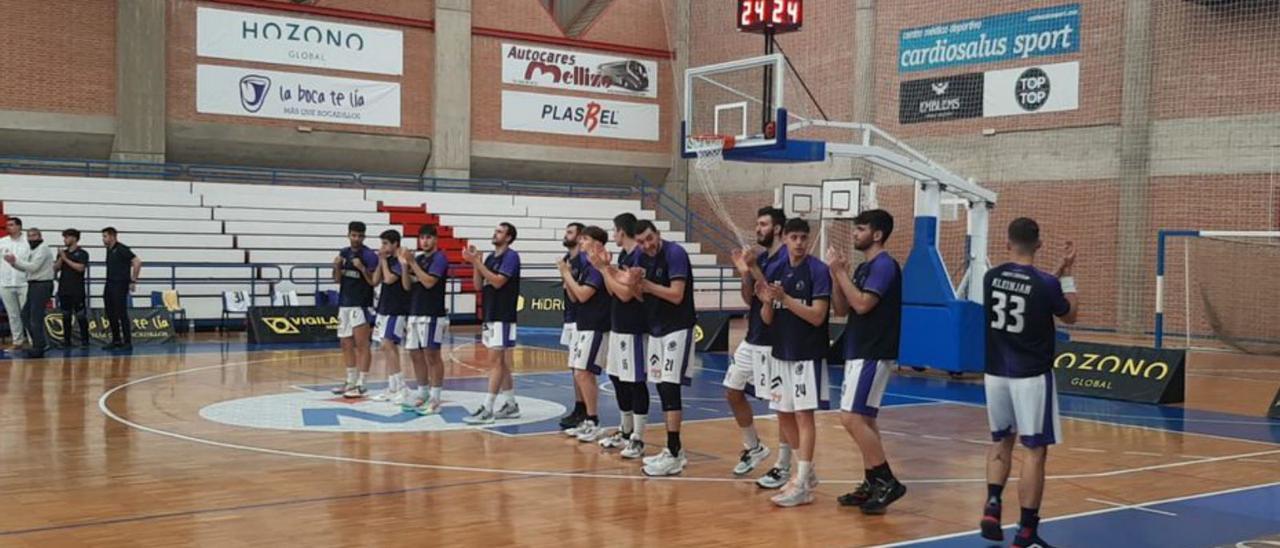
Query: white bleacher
column 226, row 225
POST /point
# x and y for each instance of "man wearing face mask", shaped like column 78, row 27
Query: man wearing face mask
column 38, row 267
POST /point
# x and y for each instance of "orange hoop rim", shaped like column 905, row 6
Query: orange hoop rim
column 726, row 141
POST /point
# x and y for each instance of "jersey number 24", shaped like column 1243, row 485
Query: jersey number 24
column 1008, row 309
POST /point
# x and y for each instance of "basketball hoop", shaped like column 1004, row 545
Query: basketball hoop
column 709, row 148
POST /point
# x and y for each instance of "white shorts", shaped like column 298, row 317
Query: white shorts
column 749, row 370
column 800, row 386
column 670, row 356
column 589, row 351
column 499, row 335
column 390, row 328
column 864, row 384
column 568, row 335
column 425, row 332
column 626, row 356
column 1027, row 406
column 351, row 317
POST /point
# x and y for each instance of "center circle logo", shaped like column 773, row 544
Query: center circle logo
column 315, row 409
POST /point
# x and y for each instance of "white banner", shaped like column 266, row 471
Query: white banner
column 291, row 96
column 563, row 69
column 303, row 42
column 1030, row 90
column 541, row 113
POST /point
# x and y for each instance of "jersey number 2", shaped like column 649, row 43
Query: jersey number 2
column 1008, row 309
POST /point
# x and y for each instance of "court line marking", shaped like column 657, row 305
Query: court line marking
column 106, row 410
column 1088, row 513
column 1123, row 506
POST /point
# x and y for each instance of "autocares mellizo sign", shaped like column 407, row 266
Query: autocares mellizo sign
column 315, row 43
column 578, row 71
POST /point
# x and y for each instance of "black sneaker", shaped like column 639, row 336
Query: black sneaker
column 990, row 523
column 883, row 493
column 1028, row 538
column 573, row 419
column 858, row 497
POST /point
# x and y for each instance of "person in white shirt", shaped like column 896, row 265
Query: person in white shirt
column 38, row 266
column 13, row 282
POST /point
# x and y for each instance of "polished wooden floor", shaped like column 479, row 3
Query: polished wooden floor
column 140, row 467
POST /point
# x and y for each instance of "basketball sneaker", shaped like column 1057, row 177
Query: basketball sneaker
column 385, row 395
column 797, row 496
column 615, row 440
column 774, row 478
column 750, row 459
column 589, row 432
column 354, row 391
column 341, row 388
column 482, row 416
column 572, row 420
column 429, row 407
column 399, row 397
column 509, row 410
column 858, row 496
column 634, row 448
column 883, row 493
column 665, row 464
column 1028, row 538
column 572, row 431
column 990, row 524
column 412, row 404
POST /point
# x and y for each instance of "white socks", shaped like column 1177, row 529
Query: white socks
column 638, row 423
column 488, row 402
column 351, row 375
column 424, row 392
column 802, row 475
column 509, row 396
column 435, row 392
column 360, row 378
column 784, row 456
column 627, row 426
column 750, row 439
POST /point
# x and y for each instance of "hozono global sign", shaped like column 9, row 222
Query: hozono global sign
column 1127, row 373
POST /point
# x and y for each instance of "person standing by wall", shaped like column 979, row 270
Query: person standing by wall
column 123, row 268
column 72, row 262
column 13, row 283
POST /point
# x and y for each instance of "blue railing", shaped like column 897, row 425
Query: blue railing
column 696, row 227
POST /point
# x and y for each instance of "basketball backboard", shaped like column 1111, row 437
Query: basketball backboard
column 803, row 201
column 841, row 198
column 740, row 100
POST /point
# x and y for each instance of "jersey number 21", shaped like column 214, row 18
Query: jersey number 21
column 1008, row 309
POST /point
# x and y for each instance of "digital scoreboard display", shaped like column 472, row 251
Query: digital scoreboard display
column 770, row 15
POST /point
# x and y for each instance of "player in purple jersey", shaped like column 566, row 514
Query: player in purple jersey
column 428, row 321
column 498, row 278
column 749, row 369
column 353, row 269
column 568, row 334
column 1021, row 303
column 587, row 357
column 795, row 307
column 629, row 329
column 872, row 299
column 393, row 311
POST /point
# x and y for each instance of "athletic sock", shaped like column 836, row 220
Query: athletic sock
column 638, row 422
column 435, row 392
column 351, row 375
column 673, row 443
column 1030, row 518
column 994, row 492
column 360, row 378
column 784, row 457
column 424, row 392
column 750, row 439
column 488, row 402
column 627, row 424
column 595, row 419
column 802, row 473
column 883, row 472
column 509, row 396
column 579, row 408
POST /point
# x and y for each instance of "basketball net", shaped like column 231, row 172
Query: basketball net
column 710, row 157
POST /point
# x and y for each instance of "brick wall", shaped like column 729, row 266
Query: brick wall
column 59, row 56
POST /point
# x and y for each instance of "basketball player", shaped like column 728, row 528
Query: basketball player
column 592, row 331
column 667, row 291
column 425, row 278
column 1021, row 302
column 872, row 299
column 750, row 363
column 629, row 330
column 393, row 312
column 795, row 308
column 353, row 272
column 568, row 335
column 499, row 276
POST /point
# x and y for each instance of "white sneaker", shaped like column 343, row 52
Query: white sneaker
column 793, row 497
column 509, row 410
column 399, row 397
column 481, row 416
column 634, row 448
column 572, row 432
column 588, row 432
column 666, row 464
column 385, row 395
column 355, row 391
column 615, row 440
column 774, row 478
column 342, row 388
column 750, row 459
